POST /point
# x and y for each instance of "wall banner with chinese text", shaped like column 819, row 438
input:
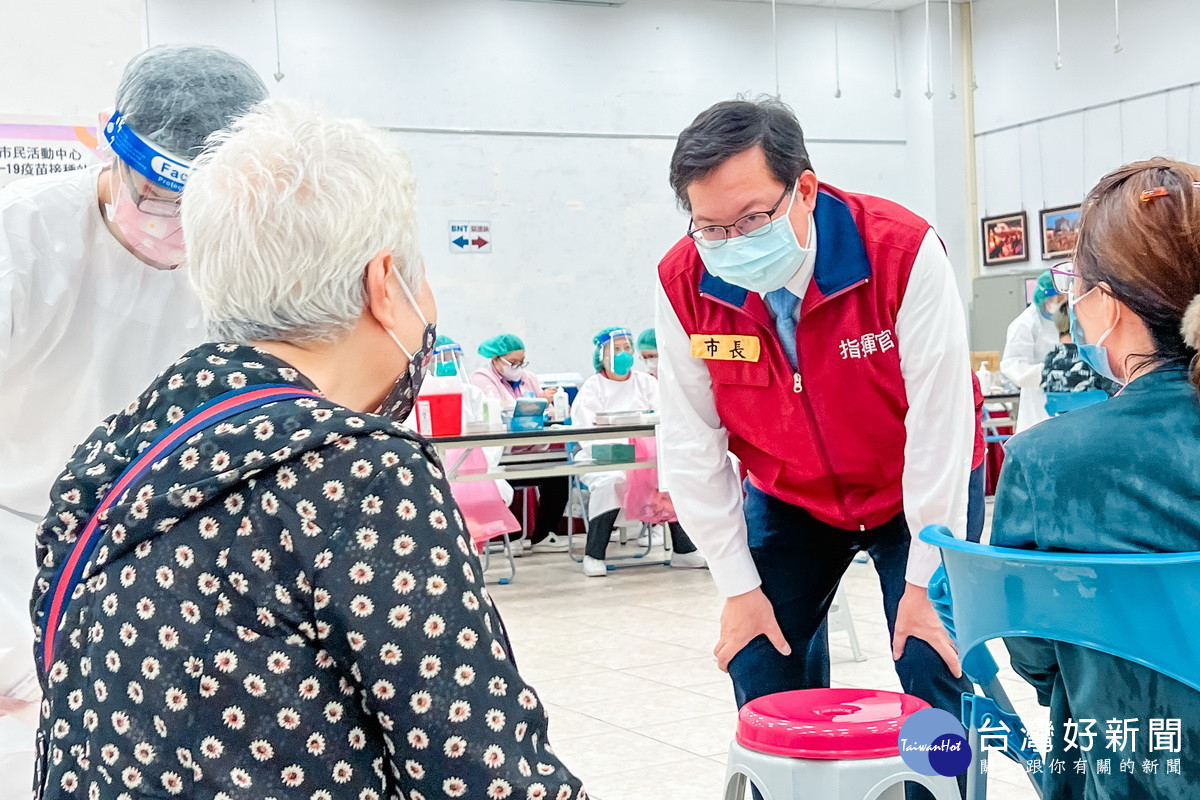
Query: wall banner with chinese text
column 36, row 149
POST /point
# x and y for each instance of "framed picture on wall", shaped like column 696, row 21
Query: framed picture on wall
column 1004, row 239
column 1060, row 229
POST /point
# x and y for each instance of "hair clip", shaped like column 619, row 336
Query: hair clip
column 1150, row 194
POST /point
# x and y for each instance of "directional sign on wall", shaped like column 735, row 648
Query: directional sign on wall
column 470, row 237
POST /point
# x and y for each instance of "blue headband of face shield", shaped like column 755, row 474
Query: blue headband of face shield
column 616, row 333
column 161, row 168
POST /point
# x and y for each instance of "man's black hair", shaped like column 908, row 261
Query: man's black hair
column 732, row 127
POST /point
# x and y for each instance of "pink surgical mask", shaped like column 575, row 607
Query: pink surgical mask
column 157, row 238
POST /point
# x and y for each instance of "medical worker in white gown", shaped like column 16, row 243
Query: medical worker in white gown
column 93, row 305
column 616, row 387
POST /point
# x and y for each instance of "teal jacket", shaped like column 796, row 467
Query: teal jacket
column 1122, row 476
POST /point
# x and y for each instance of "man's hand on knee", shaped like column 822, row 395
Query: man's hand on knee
column 917, row 618
column 745, row 617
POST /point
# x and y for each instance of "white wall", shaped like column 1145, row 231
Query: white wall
column 68, row 69
column 579, row 221
column 1029, row 162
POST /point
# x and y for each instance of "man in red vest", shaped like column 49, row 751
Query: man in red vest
column 818, row 336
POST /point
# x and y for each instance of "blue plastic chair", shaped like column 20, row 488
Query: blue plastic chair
column 1139, row 607
column 991, row 432
column 1062, row 402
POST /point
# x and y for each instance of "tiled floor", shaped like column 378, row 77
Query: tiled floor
column 638, row 708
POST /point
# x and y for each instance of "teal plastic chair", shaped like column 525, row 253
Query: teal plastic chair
column 1062, row 402
column 1139, row 607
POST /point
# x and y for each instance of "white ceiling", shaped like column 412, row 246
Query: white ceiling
column 873, row 5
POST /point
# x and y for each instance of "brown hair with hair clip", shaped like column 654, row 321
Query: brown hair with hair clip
column 1139, row 234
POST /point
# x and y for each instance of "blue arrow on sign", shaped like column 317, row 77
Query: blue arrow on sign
column 461, row 241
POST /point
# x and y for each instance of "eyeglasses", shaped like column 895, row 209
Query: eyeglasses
column 517, row 364
column 1063, row 275
column 754, row 224
column 148, row 198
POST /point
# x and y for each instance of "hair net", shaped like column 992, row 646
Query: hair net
column 443, row 339
column 1045, row 289
column 647, row 340
column 501, row 345
column 174, row 96
column 604, row 337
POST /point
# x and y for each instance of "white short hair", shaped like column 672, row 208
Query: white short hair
column 281, row 215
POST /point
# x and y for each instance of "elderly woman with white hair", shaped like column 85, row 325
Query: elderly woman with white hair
column 254, row 581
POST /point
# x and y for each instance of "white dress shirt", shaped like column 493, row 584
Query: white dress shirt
column 935, row 365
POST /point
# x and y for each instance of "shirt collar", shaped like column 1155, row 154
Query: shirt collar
column 798, row 283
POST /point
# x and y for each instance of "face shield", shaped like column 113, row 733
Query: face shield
column 154, row 178
column 148, row 197
column 448, row 361
column 616, row 352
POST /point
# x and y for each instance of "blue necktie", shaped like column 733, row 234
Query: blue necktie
column 783, row 306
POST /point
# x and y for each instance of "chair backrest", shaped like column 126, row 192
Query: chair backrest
column 643, row 500
column 1062, row 402
column 1141, row 607
column 484, row 510
column 992, row 425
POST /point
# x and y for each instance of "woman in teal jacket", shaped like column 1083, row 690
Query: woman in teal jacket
column 1122, row 476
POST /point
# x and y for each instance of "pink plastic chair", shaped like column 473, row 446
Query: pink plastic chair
column 643, row 500
column 484, row 511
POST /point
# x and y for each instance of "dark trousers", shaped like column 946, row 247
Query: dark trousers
column 975, row 513
column 600, row 529
column 801, row 561
column 552, row 502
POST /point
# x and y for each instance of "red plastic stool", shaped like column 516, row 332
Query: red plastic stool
column 826, row 744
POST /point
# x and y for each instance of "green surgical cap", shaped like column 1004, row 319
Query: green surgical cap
column 443, row 339
column 501, row 345
column 1045, row 289
column 647, row 340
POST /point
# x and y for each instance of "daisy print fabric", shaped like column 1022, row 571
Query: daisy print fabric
column 287, row 606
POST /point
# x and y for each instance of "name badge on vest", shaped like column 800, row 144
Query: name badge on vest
column 725, row 347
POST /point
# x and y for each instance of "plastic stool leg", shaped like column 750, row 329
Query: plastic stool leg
column 735, row 786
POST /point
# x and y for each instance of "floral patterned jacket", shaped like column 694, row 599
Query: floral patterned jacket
column 286, row 607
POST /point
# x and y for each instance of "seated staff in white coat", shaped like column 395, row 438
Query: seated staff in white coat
column 507, row 378
column 93, row 305
column 1031, row 337
column 647, row 345
column 616, row 387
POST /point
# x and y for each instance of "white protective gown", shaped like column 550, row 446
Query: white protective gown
column 598, row 393
column 1030, row 339
column 84, row 327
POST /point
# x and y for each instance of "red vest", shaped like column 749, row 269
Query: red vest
column 980, row 450
column 828, row 436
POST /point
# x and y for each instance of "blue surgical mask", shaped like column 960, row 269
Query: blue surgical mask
column 622, row 364
column 761, row 263
column 1094, row 355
